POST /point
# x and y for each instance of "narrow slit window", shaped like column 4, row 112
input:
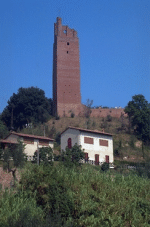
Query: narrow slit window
column 67, row 43
column 67, row 52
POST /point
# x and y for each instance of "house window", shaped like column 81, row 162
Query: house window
column 107, row 158
column 103, row 143
column 88, row 140
column 69, row 143
column 96, row 159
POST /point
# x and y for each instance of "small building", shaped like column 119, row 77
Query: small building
column 32, row 142
column 97, row 146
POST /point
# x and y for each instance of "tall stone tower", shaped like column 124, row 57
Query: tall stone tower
column 66, row 71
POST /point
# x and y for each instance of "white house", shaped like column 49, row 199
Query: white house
column 98, row 146
column 32, row 142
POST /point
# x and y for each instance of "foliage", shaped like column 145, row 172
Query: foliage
column 87, row 108
column 3, row 130
column 138, row 111
column 19, row 210
column 57, row 138
column 109, row 118
column 87, row 197
column 45, row 156
column 105, row 166
column 28, row 105
column 57, row 117
column 50, row 190
column 15, row 152
column 72, row 156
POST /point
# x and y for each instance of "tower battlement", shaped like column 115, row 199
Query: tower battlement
column 63, row 31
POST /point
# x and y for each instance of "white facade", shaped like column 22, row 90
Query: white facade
column 91, row 142
column 31, row 143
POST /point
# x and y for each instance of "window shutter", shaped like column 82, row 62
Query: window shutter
column 107, row 158
column 96, row 159
column 86, row 157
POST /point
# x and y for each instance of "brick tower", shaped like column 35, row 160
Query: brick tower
column 66, row 71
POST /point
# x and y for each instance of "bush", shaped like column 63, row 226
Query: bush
column 57, row 138
column 116, row 152
column 109, row 118
column 45, row 156
column 57, row 117
column 105, row 166
column 19, row 210
column 73, row 156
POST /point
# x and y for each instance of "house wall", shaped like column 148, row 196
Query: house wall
column 70, row 133
column 95, row 148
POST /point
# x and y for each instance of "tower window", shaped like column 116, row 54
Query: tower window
column 67, row 43
column 67, row 52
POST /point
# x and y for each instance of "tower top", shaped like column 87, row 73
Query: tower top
column 63, row 30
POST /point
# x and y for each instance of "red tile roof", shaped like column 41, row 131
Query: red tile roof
column 30, row 136
column 87, row 130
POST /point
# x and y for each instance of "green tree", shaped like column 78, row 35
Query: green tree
column 87, row 108
column 138, row 111
column 3, row 130
column 45, row 156
column 72, row 156
column 28, row 105
column 16, row 153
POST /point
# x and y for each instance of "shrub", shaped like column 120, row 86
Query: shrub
column 105, row 166
column 109, row 118
column 45, row 156
column 57, row 117
column 72, row 156
column 57, row 138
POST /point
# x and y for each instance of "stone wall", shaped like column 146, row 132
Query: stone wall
column 108, row 111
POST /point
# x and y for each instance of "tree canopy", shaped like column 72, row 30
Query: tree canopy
column 138, row 111
column 45, row 156
column 29, row 105
column 72, row 156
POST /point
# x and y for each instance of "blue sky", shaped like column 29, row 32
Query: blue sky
column 114, row 38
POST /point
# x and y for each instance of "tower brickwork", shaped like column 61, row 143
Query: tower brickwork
column 66, row 71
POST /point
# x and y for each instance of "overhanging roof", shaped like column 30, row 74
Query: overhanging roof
column 30, row 136
column 87, row 130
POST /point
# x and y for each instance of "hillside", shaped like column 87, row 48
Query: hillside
column 125, row 143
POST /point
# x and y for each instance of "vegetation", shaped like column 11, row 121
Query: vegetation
column 70, row 193
column 138, row 111
column 29, row 105
column 79, row 196
column 73, row 156
column 3, row 130
column 87, row 108
column 45, row 156
column 16, row 153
